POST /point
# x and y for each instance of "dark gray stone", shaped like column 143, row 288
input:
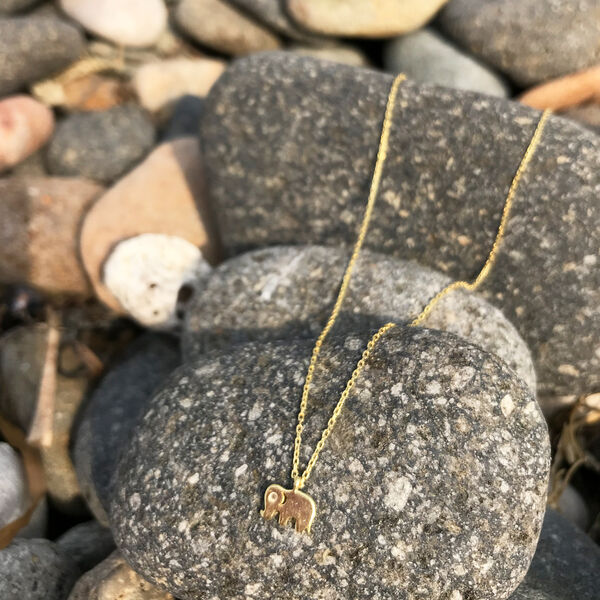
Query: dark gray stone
column 112, row 411
column 35, row 570
column 273, row 13
column 288, row 292
column 433, row 479
column 527, row 40
column 426, row 57
column 289, row 147
column 185, row 119
column 100, row 145
column 87, row 544
column 32, row 48
column 13, row 6
column 565, row 566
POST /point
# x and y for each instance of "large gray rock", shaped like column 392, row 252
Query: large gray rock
column 112, row 411
column 35, row 570
column 565, row 566
column 288, row 292
column 100, row 145
column 32, row 48
column 289, row 147
column 425, row 56
column 528, row 40
column 434, row 477
column 13, row 6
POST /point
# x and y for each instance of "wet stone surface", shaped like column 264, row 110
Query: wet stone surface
column 287, row 292
column 290, row 144
column 432, row 484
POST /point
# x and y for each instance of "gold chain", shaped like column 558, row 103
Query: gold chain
column 300, row 480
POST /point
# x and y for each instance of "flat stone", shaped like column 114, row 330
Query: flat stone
column 339, row 53
column 363, row 18
column 135, row 23
column 434, row 476
column 162, row 82
column 112, row 410
column 426, row 57
column 218, row 25
column 165, row 194
column 293, row 166
column 114, row 578
column 32, row 48
column 40, row 219
column 288, row 292
column 87, row 544
column 528, row 44
column 25, row 126
column 100, row 145
column 14, row 494
column 274, row 14
column 565, row 566
column 35, row 570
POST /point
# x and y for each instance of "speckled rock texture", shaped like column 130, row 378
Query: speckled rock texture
column 87, row 544
column 274, row 14
column 288, row 292
column 100, row 145
column 565, row 566
column 35, row 570
column 528, row 40
column 35, row 47
column 289, row 148
column 114, row 579
column 431, row 485
column 112, row 411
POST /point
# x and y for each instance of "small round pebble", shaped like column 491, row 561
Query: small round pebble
column 100, row 145
column 130, row 23
column 25, row 126
column 87, row 544
column 144, row 274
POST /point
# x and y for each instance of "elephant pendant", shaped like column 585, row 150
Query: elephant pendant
column 290, row 504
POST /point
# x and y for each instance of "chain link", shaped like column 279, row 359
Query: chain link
column 300, row 480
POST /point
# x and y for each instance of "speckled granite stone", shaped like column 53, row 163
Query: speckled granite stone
column 35, row 570
column 288, row 292
column 432, row 484
column 290, row 144
column 565, row 566
column 529, row 40
column 111, row 412
column 35, row 47
column 100, row 145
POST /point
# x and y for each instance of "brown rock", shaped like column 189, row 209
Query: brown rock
column 363, row 18
column 158, row 83
column 25, row 126
column 565, row 92
column 165, row 194
column 113, row 578
column 39, row 224
column 218, row 25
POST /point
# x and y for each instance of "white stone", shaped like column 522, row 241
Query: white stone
column 158, row 83
column 14, row 495
column 137, row 23
column 146, row 272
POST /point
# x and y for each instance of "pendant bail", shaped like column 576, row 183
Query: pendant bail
column 297, row 483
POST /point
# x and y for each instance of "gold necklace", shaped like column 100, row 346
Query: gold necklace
column 295, row 504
